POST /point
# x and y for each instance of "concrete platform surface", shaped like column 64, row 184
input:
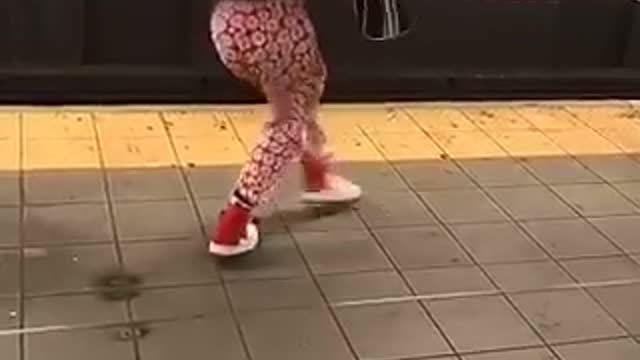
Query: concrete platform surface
column 495, row 231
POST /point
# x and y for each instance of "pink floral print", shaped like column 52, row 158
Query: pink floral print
column 272, row 45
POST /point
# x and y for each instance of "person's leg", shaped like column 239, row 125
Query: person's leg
column 270, row 60
column 280, row 143
column 233, row 29
column 281, row 55
column 322, row 185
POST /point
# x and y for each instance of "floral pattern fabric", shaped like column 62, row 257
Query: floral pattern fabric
column 272, row 45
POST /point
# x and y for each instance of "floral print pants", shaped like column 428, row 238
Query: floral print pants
column 272, row 45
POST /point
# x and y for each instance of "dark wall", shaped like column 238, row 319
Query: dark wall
column 446, row 34
column 6, row 31
column 46, row 33
column 632, row 53
column 145, row 50
column 591, row 33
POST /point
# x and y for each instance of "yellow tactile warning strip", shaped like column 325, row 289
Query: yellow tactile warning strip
column 137, row 137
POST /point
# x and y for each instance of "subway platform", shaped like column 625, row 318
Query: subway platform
column 503, row 231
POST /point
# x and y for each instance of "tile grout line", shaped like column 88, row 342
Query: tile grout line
column 176, row 240
column 191, row 317
column 98, row 202
column 603, row 180
column 555, row 260
column 610, row 184
column 470, row 254
column 94, row 290
column 187, row 237
column 323, row 295
column 100, row 325
column 115, row 239
column 314, row 279
column 588, row 219
column 598, row 131
column 485, row 293
column 114, row 228
column 615, row 244
column 436, row 296
column 192, row 199
column 518, row 348
column 532, row 238
column 576, row 158
column 424, row 309
column 22, row 341
column 407, row 284
column 554, row 344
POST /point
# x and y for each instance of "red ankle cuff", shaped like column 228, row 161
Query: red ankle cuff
column 315, row 172
column 232, row 225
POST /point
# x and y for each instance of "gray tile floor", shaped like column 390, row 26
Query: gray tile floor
column 513, row 259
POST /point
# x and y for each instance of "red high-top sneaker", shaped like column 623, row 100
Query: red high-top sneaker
column 236, row 232
column 322, row 186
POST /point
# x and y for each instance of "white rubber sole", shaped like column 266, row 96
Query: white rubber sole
column 341, row 191
column 245, row 245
